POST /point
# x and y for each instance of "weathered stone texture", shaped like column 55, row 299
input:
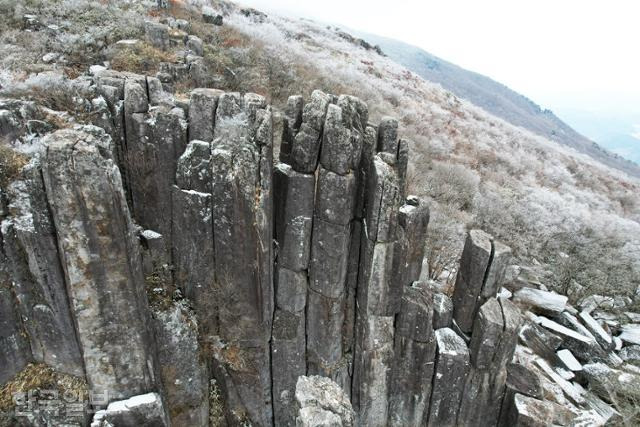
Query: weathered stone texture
column 182, row 367
column 474, row 262
column 243, row 261
column 101, row 262
column 451, row 368
column 38, row 279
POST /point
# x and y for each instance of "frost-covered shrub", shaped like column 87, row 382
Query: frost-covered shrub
column 451, row 184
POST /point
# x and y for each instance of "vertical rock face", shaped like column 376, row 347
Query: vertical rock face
column 31, row 246
column 15, row 352
column 481, row 273
column 476, row 256
column 322, row 402
column 451, row 368
column 101, row 263
column 267, row 273
column 182, row 368
column 242, row 229
column 414, row 352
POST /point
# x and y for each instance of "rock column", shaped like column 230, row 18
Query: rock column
column 241, row 171
column 377, row 295
column 101, row 262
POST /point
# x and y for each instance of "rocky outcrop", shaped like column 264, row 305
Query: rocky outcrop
column 100, row 257
column 166, row 253
column 322, row 402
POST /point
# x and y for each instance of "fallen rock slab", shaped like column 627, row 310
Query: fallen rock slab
column 541, row 301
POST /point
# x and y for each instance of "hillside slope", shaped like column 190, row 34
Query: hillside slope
column 497, row 99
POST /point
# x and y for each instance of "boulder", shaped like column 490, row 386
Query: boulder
column 210, row 16
column 322, row 403
column 630, row 333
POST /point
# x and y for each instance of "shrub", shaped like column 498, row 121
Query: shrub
column 140, row 58
column 11, row 162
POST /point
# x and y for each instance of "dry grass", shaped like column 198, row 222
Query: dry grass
column 41, row 377
column 141, row 58
column 11, row 162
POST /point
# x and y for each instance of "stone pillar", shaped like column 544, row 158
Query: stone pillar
column 101, row 262
column 414, row 348
column 451, row 368
column 336, row 194
column 15, row 352
column 37, row 274
column 480, row 275
column 493, row 342
column 294, row 201
column 242, row 207
column 192, row 229
column 377, row 294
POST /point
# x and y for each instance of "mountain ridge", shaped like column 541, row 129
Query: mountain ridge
column 496, row 98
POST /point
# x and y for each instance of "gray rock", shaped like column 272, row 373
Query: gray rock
column 373, row 362
column 135, row 97
column 482, row 397
column 500, row 259
column 487, row 332
column 602, row 337
column 631, row 354
column 414, row 352
column 540, row 301
column 474, row 262
column 291, row 125
column 155, row 141
column 338, row 154
column 388, row 135
column 528, row 411
column 306, row 145
column 291, row 290
column 288, row 362
column 568, row 360
column 382, row 201
column 630, row 333
column 101, row 262
column 325, row 316
column 376, row 294
column 157, row 34
column 210, row 16
column 202, row 110
column 157, row 95
column 442, row 311
column 542, row 341
column 242, row 209
column 335, row 197
column 193, row 255
column 294, row 203
column 451, row 368
column 15, row 352
column 193, row 169
column 182, row 367
column 145, row 410
column 194, row 44
column 329, row 256
column 37, row 275
column 322, row 403
column 156, row 260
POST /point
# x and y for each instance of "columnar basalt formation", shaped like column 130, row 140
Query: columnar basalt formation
column 258, row 273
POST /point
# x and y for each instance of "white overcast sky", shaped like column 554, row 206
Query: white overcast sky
column 582, row 54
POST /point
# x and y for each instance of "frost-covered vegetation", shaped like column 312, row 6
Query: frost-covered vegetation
column 559, row 210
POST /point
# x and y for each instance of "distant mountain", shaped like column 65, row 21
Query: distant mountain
column 619, row 133
column 497, row 99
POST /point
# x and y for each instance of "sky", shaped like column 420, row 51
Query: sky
column 579, row 58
